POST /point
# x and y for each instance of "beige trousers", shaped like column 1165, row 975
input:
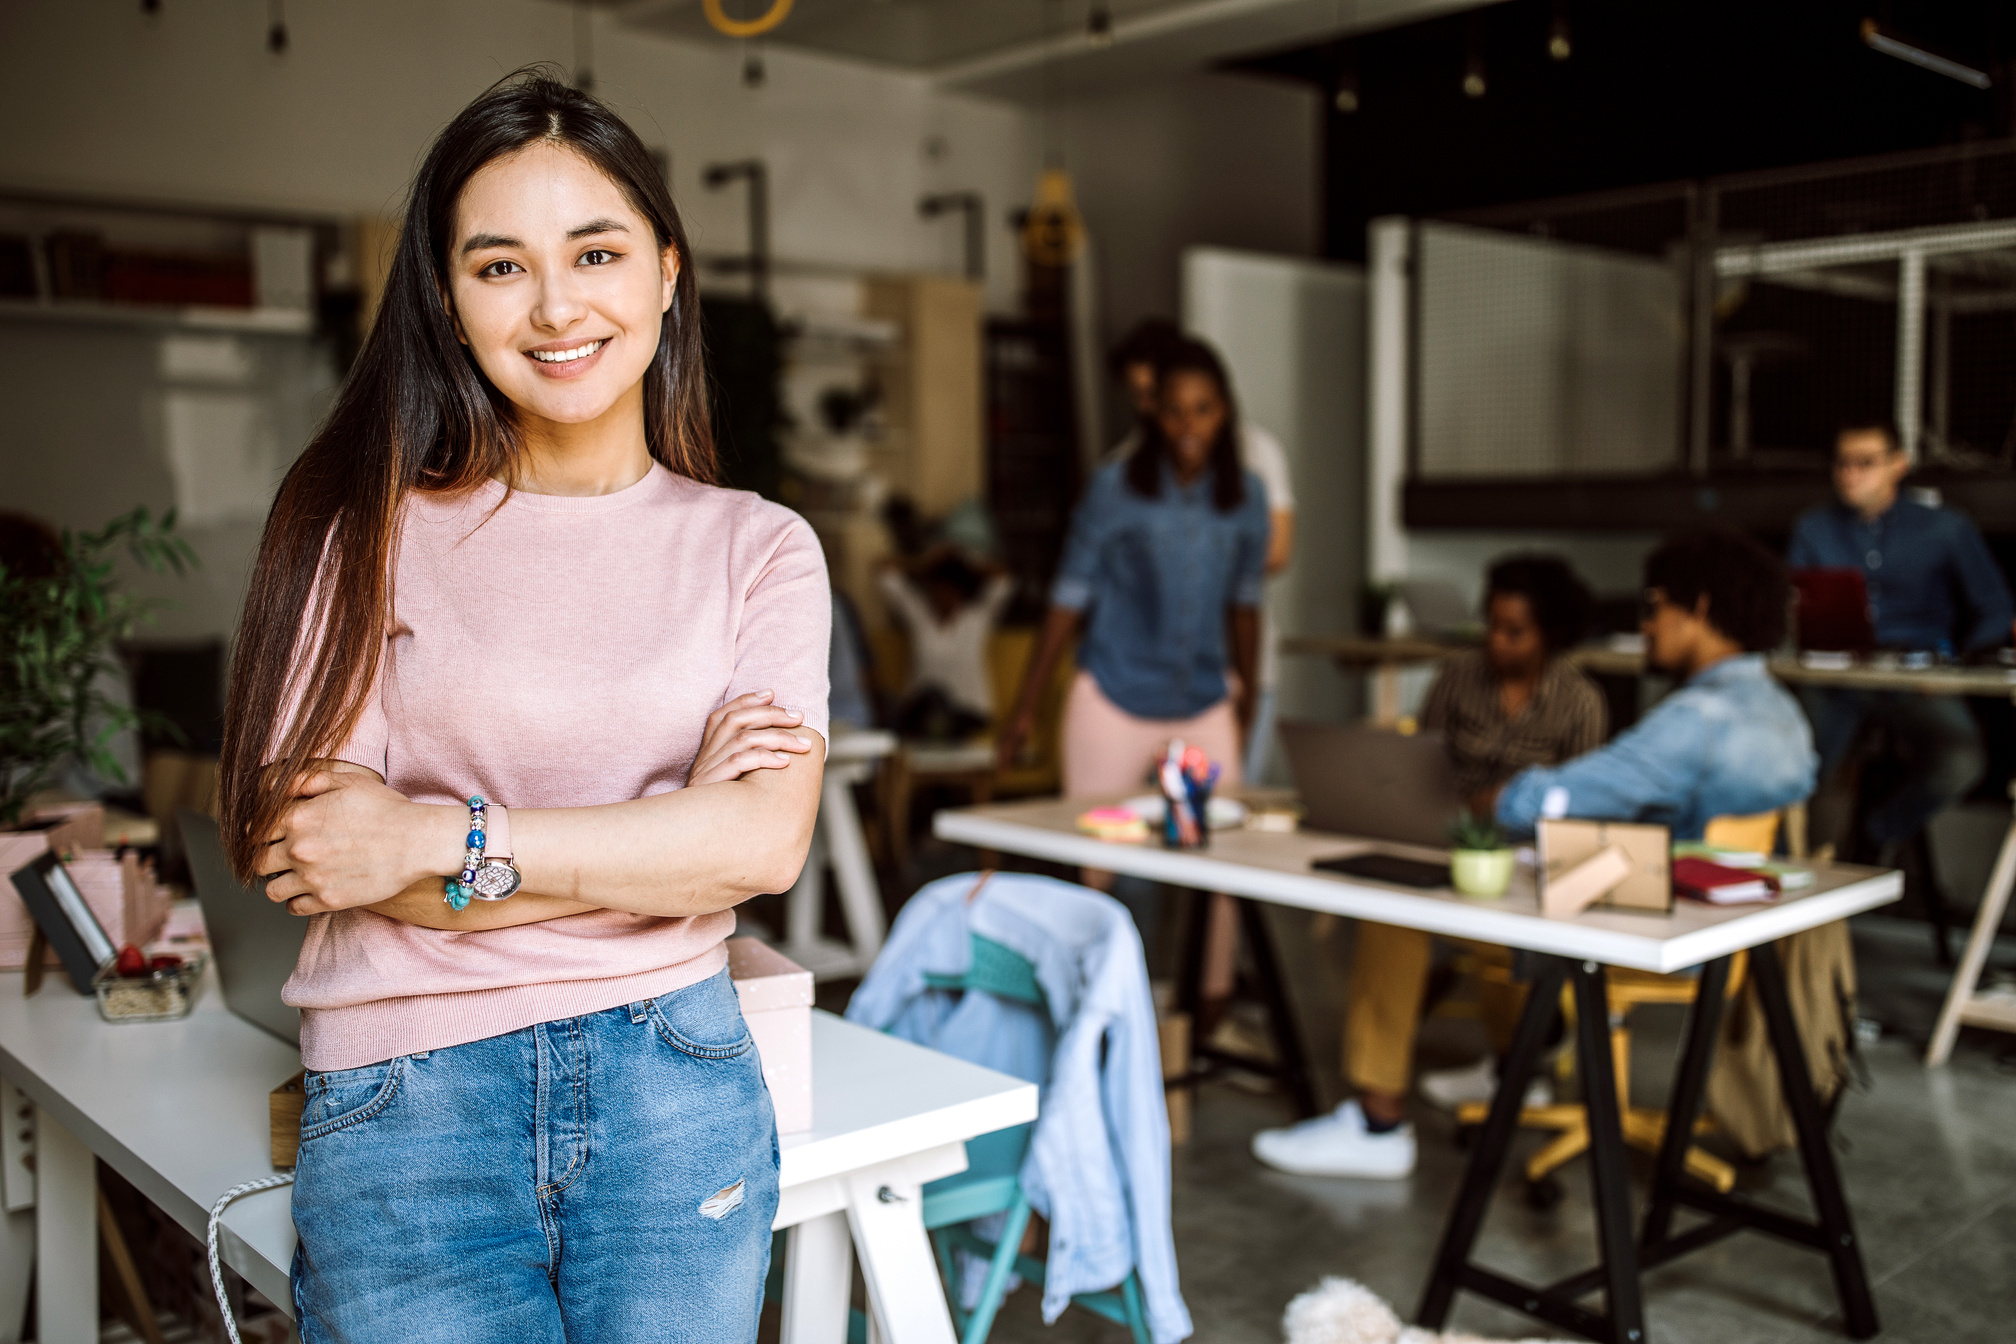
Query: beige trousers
column 1389, row 976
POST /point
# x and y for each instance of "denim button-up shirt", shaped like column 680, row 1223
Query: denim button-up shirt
column 1916, row 561
column 1731, row 742
column 1154, row 577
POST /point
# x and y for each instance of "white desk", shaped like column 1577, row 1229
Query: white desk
column 1274, row 867
column 838, row 839
column 1265, row 866
column 179, row 1109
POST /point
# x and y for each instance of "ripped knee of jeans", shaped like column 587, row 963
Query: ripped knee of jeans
column 723, row 1201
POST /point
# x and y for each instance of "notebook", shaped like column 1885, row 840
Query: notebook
column 1701, row 880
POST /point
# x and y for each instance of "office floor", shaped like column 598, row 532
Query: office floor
column 1929, row 1160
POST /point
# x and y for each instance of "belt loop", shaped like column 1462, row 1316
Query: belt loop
column 639, row 1009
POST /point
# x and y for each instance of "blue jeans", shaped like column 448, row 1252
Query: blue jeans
column 1935, row 735
column 605, row 1179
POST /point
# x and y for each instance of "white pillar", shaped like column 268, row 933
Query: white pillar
column 1910, row 351
column 1389, row 249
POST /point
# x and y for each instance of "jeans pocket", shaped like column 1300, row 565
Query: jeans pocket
column 703, row 1020
column 345, row 1097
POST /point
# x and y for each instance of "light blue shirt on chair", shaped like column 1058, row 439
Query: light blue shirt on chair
column 1731, row 742
column 1098, row 1164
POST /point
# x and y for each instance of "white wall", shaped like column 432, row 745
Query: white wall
column 189, row 106
column 1203, row 160
column 1293, row 336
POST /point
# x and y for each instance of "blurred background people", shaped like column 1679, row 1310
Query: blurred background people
column 1933, row 587
column 1511, row 704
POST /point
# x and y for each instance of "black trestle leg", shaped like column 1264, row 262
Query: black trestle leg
column 1494, row 1142
column 1844, row 1253
column 1190, row 982
column 1288, row 1053
column 1690, row 1086
column 1609, row 1171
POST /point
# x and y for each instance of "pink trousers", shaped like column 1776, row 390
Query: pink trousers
column 1109, row 751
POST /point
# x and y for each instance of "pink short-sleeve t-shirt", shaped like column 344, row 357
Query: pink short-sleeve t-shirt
column 556, row 651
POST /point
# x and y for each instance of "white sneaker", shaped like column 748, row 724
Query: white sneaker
column 1338, row 1144
column 1452, row 1089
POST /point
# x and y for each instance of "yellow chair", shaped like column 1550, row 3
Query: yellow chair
column 1644, row 1127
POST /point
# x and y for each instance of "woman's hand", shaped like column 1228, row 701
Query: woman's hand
column 748, row 733
column 349, row 839
column 1008, row 742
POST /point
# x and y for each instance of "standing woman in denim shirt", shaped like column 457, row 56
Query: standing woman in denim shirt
column 1162, row 573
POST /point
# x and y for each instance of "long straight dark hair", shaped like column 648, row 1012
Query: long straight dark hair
column 416, row 413
column 1144, row 465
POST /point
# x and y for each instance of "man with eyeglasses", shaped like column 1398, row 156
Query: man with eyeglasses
column 1729, row 742
column 1933, row 588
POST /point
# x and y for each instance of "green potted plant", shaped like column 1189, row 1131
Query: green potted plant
column 1480, row 862
column 60, row 624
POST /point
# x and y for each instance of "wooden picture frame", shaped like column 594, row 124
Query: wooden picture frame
column 63, row 918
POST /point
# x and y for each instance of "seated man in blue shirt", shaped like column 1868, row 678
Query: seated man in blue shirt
column 1934, row 587
column 1730, row 742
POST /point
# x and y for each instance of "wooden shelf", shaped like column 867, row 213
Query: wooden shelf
column 264, row 321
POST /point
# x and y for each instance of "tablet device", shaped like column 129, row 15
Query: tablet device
column 1389, row 868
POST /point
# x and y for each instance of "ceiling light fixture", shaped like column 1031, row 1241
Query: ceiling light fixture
column 1099, row 25
column 1559, row 45
column 1474, row 84
column 1344, row 82
column 1883, row 38
column 779, row 10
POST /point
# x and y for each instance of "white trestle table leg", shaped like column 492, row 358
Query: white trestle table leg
column 66, row 1236
column 860, row 894
column 905, row 1298
column 818, row 1270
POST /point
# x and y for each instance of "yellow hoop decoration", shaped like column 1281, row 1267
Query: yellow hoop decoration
column 756, row 27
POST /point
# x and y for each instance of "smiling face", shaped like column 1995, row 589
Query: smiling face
column 558, row 286
column 1191, row 414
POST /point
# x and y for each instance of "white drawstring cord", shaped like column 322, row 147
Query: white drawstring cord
column 216, row 1215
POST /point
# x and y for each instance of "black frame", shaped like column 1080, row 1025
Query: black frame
column 1833, row 1234
column 58, row 925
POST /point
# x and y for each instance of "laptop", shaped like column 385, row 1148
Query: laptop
column 1831, row 610
column 1360, row 780
column 1437, row 609
column 254, row 941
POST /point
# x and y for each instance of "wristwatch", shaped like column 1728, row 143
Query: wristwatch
column 497, row 878
column 484, row 876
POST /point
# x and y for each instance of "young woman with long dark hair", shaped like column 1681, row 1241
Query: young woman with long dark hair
column 522, row 705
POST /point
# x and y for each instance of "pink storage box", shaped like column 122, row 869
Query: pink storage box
column 129, row 904
column 776, row 995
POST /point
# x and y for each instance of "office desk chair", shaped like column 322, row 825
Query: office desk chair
column 1644, row 1126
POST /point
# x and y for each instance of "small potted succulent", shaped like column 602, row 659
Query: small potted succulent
column 1480, row 862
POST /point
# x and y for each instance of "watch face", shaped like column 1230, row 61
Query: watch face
column 495, row 881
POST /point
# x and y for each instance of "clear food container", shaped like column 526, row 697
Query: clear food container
column 162, row 994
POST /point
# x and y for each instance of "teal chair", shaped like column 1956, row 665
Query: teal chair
column 992, row 1184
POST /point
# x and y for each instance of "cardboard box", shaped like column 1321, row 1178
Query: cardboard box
column 1566, row 844
column 776, row 995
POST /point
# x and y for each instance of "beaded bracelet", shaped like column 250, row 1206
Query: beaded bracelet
column 492, row 879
